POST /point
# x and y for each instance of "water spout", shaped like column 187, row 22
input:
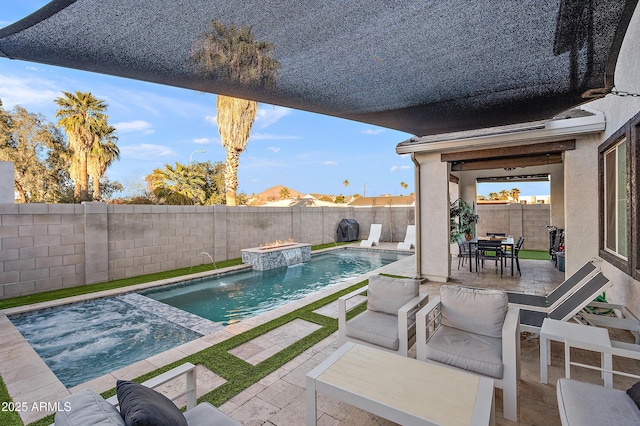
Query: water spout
column 204, row 253
column 334, row 241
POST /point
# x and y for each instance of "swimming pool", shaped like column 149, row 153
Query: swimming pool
column 83, row 341
column 231, row 298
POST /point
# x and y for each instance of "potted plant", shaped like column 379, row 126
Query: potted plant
column 462, row 220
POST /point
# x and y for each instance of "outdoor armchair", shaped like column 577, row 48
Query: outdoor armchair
column 581, row 403
column 389, row 321
column 474, row 330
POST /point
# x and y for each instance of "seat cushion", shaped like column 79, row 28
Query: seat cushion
column 479, row 311
column 583, row 403
column 377, row 328
column 386, row 294
column 468, row 351
column 142, row 406
column 87, row 408
column 205, row 414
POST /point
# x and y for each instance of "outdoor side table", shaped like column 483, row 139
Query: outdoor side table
column 560, row 330
column 400, row 389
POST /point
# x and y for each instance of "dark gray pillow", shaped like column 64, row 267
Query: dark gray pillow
column 142, row 406
column 634, row 393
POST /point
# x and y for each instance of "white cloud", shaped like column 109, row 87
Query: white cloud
column 134, row 126
column 273, row 149
column 396, row 168
column 202, row 141
column 26, row 91
column 269, row 115
column 329, row 163
column 146, row 151
column 269, row 136
column 372, row 131
column 211, row 119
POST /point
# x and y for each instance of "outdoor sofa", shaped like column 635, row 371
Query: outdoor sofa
column 140, row 404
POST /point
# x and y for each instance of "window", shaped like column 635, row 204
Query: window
column 615, row 199
column 619, row 218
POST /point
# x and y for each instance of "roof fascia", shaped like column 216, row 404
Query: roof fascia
column 553, row 129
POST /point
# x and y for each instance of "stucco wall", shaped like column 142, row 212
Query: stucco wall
column 47, row 247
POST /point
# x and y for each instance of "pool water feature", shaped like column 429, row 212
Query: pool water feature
column 86, row 340
column 228, row 298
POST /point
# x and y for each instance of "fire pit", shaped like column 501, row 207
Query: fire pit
column 276, row 255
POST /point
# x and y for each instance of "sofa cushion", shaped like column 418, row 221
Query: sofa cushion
column 581, row 403
column 479, row 311
column 468, row 351
column 87, row 408
column 386, row 294
column 142, row 406
column 205, row 414
column 376, row 328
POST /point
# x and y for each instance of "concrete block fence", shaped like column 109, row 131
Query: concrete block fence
column 52, row 246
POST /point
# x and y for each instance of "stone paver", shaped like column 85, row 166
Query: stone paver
column 279, row 398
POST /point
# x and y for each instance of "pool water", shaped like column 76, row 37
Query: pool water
column 83, row 341
column 233, row 297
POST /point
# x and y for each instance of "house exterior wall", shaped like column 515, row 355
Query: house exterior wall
column 618, row 110
column 51, row 246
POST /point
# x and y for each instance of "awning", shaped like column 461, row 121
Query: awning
column 423, row 67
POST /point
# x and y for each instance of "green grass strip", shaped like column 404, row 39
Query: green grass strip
column 534, row 254
column 8, row 414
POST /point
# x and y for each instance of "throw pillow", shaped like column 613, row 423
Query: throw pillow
column 387, row 295
column 634, row 393
column 142, row 406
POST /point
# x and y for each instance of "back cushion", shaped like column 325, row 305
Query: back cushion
column 388, row 294
column 478, row 311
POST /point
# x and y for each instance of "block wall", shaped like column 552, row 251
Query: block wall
column 528, row 220
column 46, row 247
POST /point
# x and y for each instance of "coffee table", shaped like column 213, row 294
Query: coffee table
column 401, row 389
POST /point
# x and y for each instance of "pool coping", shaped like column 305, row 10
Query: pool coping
column 20, row 381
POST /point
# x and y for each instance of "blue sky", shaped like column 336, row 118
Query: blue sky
column 161, row 124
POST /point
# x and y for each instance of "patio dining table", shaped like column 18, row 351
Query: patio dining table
column 506, row 243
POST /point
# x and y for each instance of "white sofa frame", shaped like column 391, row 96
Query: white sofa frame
column 406, row 323
column 428, row 320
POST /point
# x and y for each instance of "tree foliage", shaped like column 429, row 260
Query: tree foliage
column 39, row 153
column 190, row 184
column 230, row 54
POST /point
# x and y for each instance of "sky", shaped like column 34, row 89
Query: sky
column 158, row 125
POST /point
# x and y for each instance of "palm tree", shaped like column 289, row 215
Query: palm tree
column 515, row 194
column 404, row 185
column 102, row 154
column 182, row 185
column 231, row 54
column 346, row 183
column 81, row 114
column 284, row 193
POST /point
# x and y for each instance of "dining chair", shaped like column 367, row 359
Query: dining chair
column 489, row 250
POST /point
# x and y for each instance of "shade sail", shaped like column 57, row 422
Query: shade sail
column 423, row 67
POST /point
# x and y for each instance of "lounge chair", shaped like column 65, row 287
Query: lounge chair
column 374, row 236
column 475, row 330
column 546, row 303
column 389, row 321
column 624, row 319
column 531, row 320
column 409, row 239
column 581, row 403
column 142, row 402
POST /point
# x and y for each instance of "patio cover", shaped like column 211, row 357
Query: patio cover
column 423, row 67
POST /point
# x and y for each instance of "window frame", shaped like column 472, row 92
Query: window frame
column 630, row 132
